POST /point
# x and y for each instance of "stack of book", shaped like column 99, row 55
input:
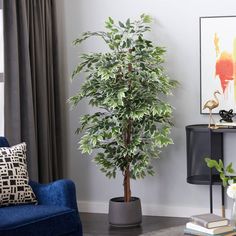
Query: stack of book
column 208, row 224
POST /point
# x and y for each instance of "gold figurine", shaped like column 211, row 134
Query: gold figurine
column 212, row 104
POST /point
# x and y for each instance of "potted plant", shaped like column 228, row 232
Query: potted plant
column 228, row 178
column 129, row 85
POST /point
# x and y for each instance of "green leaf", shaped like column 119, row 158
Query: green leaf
column 111, row 20
column 78, row 69
column 146, row 18
column 211, row 163
column 224, row 181
column 229, row 168
column 221, row 165
column 121, row 24
column 128, row 23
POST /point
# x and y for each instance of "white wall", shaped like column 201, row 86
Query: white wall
column 176, row 27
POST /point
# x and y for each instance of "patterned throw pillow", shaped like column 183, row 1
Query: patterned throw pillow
column 14, row 180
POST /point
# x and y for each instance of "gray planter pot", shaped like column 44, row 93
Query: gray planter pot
column 125, row 214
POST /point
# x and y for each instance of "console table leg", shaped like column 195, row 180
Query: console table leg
column 211, row 204
column 223, row 200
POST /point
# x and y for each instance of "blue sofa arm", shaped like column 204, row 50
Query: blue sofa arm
column 59, row 193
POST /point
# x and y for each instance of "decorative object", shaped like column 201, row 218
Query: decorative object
column 129, row 85
column 233, row 214
column 209, row 220
column 226, row 116
column 227, row 175
column 212, row 104
column 218, row 58
column 195, row 229
column 231, row 192
column 14, row 180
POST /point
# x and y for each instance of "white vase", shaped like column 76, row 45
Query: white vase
column 233, row 215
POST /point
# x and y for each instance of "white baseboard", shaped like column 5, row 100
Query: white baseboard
column 150, row 209
column 93, row 207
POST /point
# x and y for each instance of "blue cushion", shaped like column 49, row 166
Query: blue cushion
column 3, row 142
column 37, row 220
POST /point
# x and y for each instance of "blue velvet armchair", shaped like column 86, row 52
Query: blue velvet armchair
column 56, row 213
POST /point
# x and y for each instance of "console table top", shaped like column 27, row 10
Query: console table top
column 204, row 127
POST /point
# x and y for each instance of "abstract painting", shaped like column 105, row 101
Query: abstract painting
column 218, row 61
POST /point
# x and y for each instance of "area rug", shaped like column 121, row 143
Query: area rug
column 173, row 231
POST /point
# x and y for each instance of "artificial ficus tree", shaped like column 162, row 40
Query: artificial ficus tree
column 129, row 85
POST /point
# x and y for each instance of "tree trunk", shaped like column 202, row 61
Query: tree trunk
column 127, row 191
column 127, row 140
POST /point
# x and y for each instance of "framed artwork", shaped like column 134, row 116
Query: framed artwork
column 218, row 62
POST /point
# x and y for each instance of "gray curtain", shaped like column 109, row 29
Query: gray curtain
column 32, row 104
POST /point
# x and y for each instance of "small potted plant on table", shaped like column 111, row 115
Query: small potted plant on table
column 129, row 85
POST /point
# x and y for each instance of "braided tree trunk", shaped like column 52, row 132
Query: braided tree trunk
column 127, row 141
column 127, row 191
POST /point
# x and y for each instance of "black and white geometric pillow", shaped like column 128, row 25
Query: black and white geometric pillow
column 14, row 179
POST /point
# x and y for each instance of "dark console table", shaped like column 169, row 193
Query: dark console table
column 204, row 142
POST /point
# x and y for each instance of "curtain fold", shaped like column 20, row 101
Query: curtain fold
column 32, row 107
